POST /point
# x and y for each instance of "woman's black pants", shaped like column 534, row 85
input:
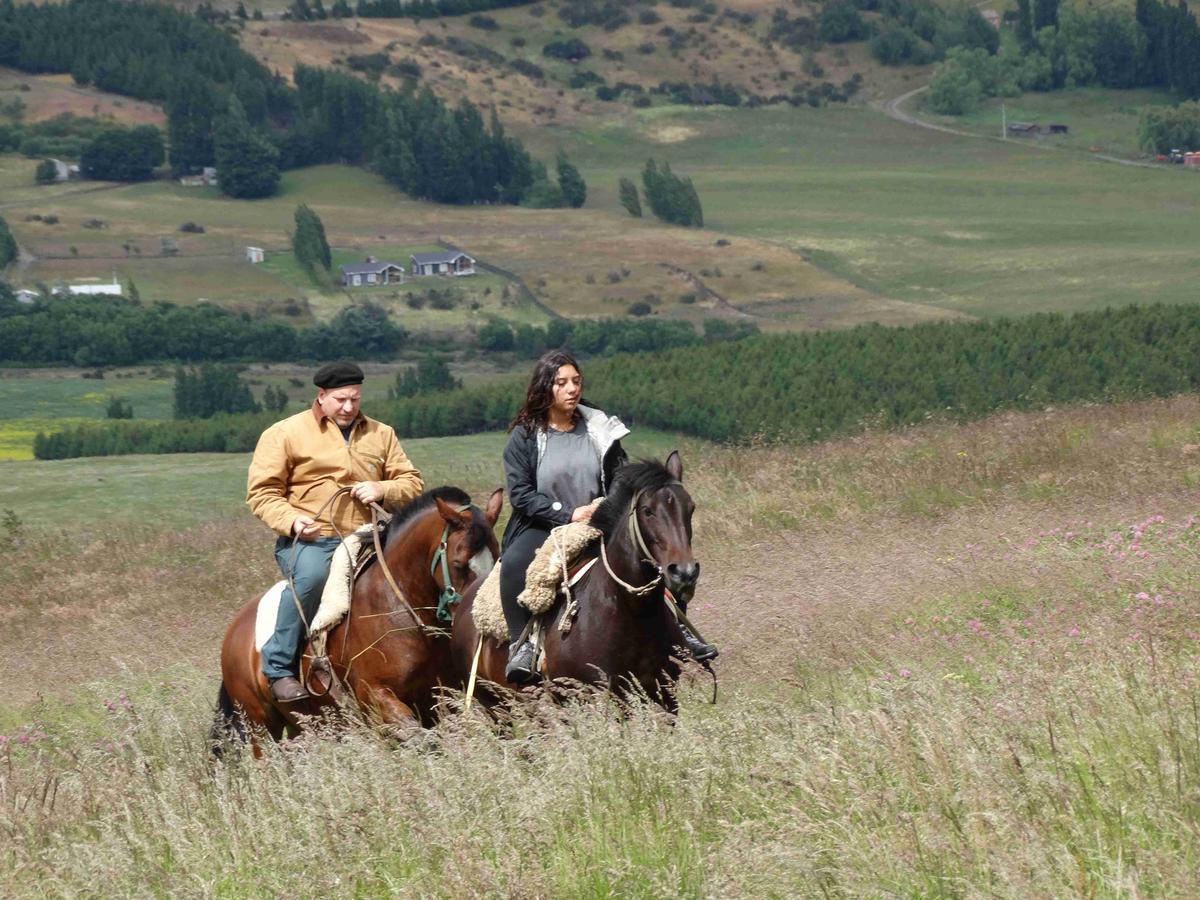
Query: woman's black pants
column 517, row 557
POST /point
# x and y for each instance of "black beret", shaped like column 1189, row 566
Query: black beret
column 338, row 374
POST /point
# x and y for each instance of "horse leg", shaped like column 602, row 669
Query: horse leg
column 397, row 718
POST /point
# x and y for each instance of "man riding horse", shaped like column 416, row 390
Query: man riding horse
column 299, row 466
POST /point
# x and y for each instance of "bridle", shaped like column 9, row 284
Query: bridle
column 640, row 545
column 449, row 595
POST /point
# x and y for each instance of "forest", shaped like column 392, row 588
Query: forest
column 224, row 108
column 804, row 387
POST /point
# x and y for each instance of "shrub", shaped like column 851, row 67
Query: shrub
column 191, row 228
column 640, row 308
column 840, row 22
column 484, row 23
column 46, row 172
column 572, row 50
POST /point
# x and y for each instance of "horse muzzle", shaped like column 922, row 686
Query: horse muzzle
column 681, row 579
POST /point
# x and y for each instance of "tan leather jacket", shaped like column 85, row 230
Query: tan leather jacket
column 300, row 463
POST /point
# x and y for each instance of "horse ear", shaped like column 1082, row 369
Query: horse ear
column 675, row 465
column 451, row 514
column 494, row 505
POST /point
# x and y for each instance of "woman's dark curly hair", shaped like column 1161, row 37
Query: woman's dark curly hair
column 535, row 414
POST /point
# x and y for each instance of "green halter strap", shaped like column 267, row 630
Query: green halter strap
column 449, row 595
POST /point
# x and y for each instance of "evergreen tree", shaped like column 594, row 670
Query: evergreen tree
column 191, row 108
column 429, row 375
column 1045, row 14
column 628, row 193
column 46, row 172
column 211, row 389
column 1024, row 24
column 247, row 163
column 571, row 183
column 123, row 154
column 8, row 245
column 309, row 242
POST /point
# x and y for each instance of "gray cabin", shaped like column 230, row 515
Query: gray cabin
column 444, row 262
column 372, row 272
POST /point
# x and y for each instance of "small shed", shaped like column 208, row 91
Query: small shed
column 372, row 272
column 444, row 262
column 111, row 289
column 25, row 295
column 1054, row 128
column 255, row 254
column 1024, row 129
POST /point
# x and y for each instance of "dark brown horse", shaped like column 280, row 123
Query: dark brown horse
column 625, row 636
column 391, row 665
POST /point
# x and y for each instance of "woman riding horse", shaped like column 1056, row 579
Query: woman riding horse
column 618, row 632
column 559, row 462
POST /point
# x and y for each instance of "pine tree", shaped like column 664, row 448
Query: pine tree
column 247, row 163
column 1024, row 24
column 571, row 183
column 1045, row 14
column 628, row 193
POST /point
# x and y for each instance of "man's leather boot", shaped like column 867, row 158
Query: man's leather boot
column 288, row 690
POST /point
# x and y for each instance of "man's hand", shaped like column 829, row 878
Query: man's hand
column 305, row 528
column 584, row 513
column 368, row 492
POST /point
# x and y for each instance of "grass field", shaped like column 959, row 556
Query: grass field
column 956, row 661
column 1100, row 120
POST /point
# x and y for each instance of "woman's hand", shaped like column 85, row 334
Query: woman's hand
column 584, row 513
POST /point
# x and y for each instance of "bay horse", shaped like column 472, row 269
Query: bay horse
column 390, row 655
column 625, row 637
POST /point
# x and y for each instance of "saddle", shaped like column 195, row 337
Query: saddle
column 557, row 562
column 349, row 561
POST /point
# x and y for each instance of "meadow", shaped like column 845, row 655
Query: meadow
column 956, row 661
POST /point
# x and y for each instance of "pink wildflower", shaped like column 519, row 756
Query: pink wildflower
column 904, row 673
column 1074, row 632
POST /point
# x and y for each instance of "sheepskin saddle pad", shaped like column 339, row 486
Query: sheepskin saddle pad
column 543, row 578
column 348, row 560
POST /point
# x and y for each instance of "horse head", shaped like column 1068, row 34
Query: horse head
column 650, row 500
column 455, row 539
column 471, row 549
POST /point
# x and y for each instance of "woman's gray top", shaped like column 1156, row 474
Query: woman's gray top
column 569, row 470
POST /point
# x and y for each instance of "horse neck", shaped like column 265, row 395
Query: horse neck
column 406, row 556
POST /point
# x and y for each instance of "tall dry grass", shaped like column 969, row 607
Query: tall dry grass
column 957, row 661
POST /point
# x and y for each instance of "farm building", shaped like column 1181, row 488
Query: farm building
column 63, row 171
column 111, row 289
column 372, row 271
column 207, row 177
column 445, row 262
column 255, row 254
column 1023, row 129
column 25, row 295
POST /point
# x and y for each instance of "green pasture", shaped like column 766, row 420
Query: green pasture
column 981, row 227
column 941, row 221
column 1100, row 120
column 188, row 489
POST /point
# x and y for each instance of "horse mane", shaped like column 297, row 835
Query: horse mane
column 643, row 475
column 415, row 507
